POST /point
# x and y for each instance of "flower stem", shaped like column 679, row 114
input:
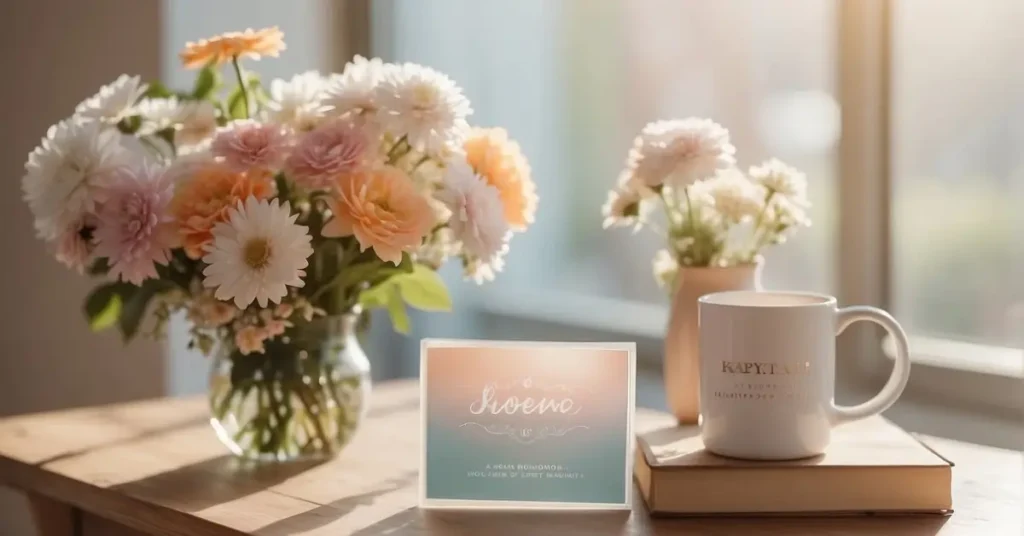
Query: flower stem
column 670, row 209
column 693, row 227
column 241, row 84
column 394, row 153
column 419, row 163
column 756, row 241
column 301, row 393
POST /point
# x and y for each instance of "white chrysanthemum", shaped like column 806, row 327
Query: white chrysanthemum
column 787, row 214
column 66, row 174
column 666, row 268
column 354, row 91
column 257, row 254
column 298, row 102
column 781, row 179
column 425, row 106
column 624, row 208
column 477, row 218
column 480, row 271
column 158, row 114
column 196, row 125
column 680, row 152
column 735, row 197
column 437, row 248
column 114, row 101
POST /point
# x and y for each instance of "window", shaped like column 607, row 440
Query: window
column 958, row 172
column 574, row 81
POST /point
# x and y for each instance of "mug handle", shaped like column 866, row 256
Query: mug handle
column 900, row 372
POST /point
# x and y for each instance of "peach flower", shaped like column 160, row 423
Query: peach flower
column 497, row 159
column 205, row 196
column 221, row 49
column 250, row 339
column 209, row 312
column 383, row 209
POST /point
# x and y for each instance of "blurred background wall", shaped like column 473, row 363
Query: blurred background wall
column 53, row 54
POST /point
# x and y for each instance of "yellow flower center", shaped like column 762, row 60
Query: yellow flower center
column 424, row 97
column 256, row 253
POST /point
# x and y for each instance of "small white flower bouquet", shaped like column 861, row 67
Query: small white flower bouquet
column 712, row 214
column 255, row 208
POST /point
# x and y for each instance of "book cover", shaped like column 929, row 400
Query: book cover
column 871, row 467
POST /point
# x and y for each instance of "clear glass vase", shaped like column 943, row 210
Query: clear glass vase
column 303, row 398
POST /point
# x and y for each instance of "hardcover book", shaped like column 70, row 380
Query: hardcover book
column 871, row 467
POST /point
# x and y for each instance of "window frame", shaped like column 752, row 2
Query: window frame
column 941, row 370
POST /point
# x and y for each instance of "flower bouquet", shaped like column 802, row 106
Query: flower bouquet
column 274, row 217
column 712, row 214
column 716, row 221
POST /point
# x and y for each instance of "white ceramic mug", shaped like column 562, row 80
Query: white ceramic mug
column 767, row 382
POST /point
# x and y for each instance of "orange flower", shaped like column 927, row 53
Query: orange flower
column 497, row 159
column 203, row 197
column 383, row 209
column 220, row 49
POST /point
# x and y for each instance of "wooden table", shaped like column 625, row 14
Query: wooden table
column 156, row 468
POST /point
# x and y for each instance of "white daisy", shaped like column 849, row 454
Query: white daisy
column 423, row 105
column 196, row 124
column 481, row 271
column 787, row 214
column 257, row 254
column 680, row 152
column 477, row 218
column 781, row 179
column 354, row 91
column 114, row 101
column 66, row 174
column 666, row 268
column 158, row 114
column 298, row 102
column 625, row 207
column 735, row 197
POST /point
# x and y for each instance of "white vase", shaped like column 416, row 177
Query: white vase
column 681, row 360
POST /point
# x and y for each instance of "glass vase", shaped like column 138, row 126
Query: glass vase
column 303, row 397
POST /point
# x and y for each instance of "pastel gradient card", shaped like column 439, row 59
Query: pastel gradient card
column 526, row 424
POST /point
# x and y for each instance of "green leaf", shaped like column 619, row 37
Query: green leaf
column 424, row 289
column 256, row 91
column 135, row 306
column 399, row 316
column 99, row 267
column 283, row 190
column 156, row 90
column 130, row 125
column 103, row 305
column 236, row 104
column 206, row 82
column 421, row 288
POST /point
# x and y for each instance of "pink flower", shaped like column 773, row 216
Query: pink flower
column 135, row 229
column 250, row 339
column 75, row 245
column 332, row 149
column 246, row 144
column 477, row 219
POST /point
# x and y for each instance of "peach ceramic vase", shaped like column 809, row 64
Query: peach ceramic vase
column 681, row 361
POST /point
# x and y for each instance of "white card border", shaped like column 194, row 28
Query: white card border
column 459, row 504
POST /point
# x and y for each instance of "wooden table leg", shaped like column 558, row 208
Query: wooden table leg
column 53, row 518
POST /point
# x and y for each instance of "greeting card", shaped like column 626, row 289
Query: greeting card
column 526, row 424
